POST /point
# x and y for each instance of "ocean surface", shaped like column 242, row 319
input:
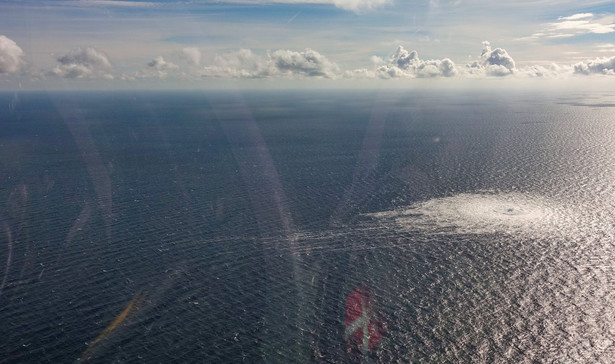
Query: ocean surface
column 214, row 227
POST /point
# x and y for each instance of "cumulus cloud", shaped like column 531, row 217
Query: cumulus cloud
column 404, row 59
column 83, row 63
column 308, row 62
column 160, row 64
column 246, row 64
column 551, row 71
column 497, row 62
column 492, row 62
column 602, row 66
column 187, row 63
column 157, row 68
column 11, row 56
column 404, row 64
column 239, row 64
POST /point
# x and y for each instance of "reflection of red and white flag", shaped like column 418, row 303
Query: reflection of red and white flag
column 362, row 327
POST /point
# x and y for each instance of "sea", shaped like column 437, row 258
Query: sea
column 232, row 226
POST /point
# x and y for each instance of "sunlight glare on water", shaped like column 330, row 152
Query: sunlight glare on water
column 492, row 245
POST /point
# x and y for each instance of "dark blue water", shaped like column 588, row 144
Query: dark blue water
column 229, row 227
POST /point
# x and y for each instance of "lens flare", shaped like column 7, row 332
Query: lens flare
column 115, row 324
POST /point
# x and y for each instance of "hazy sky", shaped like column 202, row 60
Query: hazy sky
column 124, row 44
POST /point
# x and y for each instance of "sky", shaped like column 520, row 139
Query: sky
column 116, row 44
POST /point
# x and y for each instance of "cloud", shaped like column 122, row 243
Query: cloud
column 574, row 25
column 357, row 5
column 246, row 64
column 577, row 16
column 492, row 62
column 497, row 62
column 11, row 56
column 83, row 63
column 404, row 64
column 187, row 64
column 606, row 48
column 404, row 59
column 583, row 23
column 551, row 71
column 193, row 55
column 600, row 66
column 309, row 63
column 160, row 64
column 239, row 64
column 351, row 5
column 109, row 3
column 360, row 73
column 156, row 68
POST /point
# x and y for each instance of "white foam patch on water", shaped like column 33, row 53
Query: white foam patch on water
column 483, row 213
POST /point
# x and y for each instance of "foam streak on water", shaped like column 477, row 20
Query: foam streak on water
column 488, row 212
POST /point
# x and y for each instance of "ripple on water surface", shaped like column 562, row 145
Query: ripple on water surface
column 495, row 277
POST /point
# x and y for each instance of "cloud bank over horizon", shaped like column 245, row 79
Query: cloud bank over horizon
column 192, row 63
column 408, row 65
column 280, row 63
column 176, row 43
column 600, row 66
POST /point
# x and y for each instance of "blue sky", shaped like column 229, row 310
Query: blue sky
column 64, row 43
